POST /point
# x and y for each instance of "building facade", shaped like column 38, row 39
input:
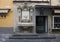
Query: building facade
column 40, row 16
column 32, row 16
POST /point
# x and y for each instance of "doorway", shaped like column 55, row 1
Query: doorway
column 40, row 24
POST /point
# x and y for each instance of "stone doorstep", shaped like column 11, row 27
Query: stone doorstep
column 31, row 37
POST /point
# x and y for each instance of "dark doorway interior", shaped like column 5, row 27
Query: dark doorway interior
column 40, row 24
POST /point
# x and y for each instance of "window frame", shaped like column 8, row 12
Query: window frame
column 53, row 21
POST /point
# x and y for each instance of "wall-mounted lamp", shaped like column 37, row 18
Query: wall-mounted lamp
column 4, row 12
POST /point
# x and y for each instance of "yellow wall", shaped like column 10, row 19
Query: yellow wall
column 8, row 21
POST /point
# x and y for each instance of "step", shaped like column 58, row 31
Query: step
column 16, row 36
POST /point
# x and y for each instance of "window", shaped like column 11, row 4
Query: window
column 56, row 22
